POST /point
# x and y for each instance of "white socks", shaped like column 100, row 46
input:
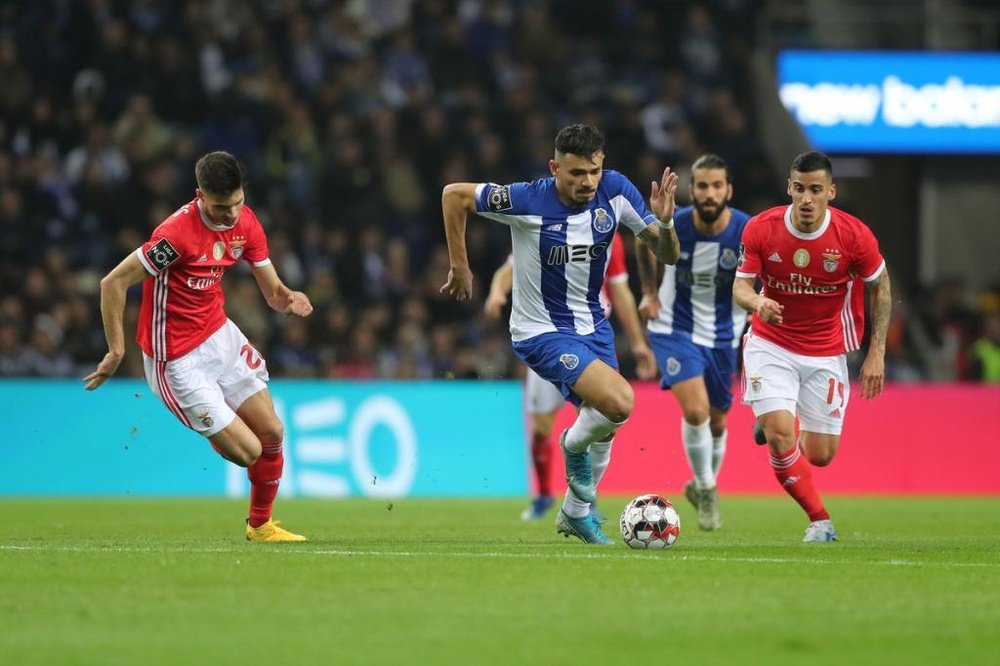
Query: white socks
column 590, row 426
column 600, row 456
column 698, row 446
column 587, row 433
column 718, row 452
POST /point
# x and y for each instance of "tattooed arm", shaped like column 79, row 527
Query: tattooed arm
column 879, row 293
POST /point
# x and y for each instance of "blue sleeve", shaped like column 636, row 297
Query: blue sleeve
column 512, row 199
column 636, row 214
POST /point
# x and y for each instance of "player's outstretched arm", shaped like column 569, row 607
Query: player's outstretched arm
column 500, row 286
column 650, row 276
column 278, row 296
column 661, row 203
column 457, row 201
column 625, row 309
column 114, row 289
column 767, row 309
column 879, row 292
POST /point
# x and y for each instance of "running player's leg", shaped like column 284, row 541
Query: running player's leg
column 692, row 396
column 606, row 402
column 771, row 387
column 718, row 424
column 720, row 370
column 188, row 388
column 244, row 383
column 682, row 367
column 584, row 370
column 543, row 401
column 823, row 399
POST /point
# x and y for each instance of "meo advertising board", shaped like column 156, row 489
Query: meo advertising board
column 367, row 439
column 894, row 102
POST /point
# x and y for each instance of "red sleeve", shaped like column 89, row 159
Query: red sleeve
column 616, row 264
column 163, row 249
column 867, row 260
column 749, row 264
column 256, row 249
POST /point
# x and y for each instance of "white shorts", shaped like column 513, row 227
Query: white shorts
column 206, row 386
column 541, row 396
column 816, row 386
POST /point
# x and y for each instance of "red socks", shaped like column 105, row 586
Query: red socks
column 794, row 473
column 541, row 456
column 264, row 475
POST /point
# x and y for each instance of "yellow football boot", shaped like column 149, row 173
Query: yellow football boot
column 271, row 531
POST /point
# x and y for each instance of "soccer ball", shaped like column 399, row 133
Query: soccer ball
column 651, row 522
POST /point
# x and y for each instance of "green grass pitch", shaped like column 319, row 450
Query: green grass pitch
column 170, row 581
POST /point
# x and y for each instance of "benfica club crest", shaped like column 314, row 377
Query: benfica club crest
column 831, row 260
column 236, row 248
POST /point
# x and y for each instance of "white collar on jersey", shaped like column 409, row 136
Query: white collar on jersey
column 212, row 225
column 803, row 236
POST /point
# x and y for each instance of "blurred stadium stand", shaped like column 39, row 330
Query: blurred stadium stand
column 350, row 116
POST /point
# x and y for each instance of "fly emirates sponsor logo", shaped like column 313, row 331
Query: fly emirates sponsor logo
column 199, row 283
column 798, row 284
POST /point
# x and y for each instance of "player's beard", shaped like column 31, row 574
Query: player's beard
column 709, row 217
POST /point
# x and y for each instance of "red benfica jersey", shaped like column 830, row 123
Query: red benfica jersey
column 816, row 276
column 182, row 300
column 617, row 272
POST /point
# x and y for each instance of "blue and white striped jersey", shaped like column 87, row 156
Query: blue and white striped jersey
column 560, row 253
column 696, row 295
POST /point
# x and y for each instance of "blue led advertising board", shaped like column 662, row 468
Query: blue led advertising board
column 894, row 102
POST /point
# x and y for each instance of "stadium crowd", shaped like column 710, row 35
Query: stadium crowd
column 349, row 117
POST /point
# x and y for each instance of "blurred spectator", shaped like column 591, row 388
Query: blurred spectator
column 292, row 355
column 941, row 330
column 11, row 362
column 139, row 133
column 985, row 353
column 350, row 116
column 44, row 357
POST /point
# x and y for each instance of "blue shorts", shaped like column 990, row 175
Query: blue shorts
column 679, row 358
column 561, row 358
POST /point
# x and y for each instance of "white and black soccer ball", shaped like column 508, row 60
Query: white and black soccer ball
column 650, row 522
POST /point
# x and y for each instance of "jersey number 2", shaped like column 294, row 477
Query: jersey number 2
column 254, row 359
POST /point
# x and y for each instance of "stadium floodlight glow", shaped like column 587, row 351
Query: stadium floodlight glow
column 894, row 102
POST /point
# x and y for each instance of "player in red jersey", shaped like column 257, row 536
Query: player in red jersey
column 810, row 259
column 543, row 399
column 197, row 361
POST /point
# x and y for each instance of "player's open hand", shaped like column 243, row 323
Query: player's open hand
column 872, row 376
column 459, row 284
column 661, row 195
column 494, row 304
column 107, row 367
column 645, row 362
column 298, row 304
column 770, row 310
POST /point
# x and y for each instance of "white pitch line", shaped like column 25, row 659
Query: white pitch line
column 295, row 549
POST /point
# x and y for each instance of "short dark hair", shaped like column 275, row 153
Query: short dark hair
column 812, row 161
column 710, row 161
column 579, row 139
column 219, row 173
